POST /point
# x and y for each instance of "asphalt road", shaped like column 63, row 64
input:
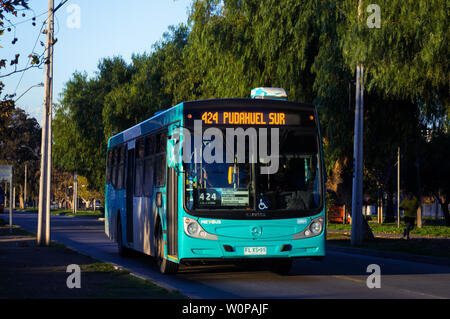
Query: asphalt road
column 339, row 275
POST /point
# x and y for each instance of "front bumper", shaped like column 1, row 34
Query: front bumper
column 228, row 248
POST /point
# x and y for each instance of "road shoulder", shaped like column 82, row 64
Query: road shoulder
column 28, row 270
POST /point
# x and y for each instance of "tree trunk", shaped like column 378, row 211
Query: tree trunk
column 444, row 206
column 21, row 201
column 390, row 214
column 419, row 194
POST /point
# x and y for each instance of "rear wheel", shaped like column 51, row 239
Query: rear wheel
column 165, row 266
column 123, row 251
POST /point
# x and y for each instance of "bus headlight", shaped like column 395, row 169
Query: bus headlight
column 193, row 229
column 314, row 228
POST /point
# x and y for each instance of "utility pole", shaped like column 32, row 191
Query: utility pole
column 398, row 187
column 11, row 199
column 25, row 189
column 46, row 145
column 75, row 193
column 357, row 185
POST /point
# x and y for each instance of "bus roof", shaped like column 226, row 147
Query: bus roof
column 246, row 102
column 160, row 119
column 175, row 113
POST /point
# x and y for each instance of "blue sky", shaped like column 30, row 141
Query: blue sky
column 106, row 28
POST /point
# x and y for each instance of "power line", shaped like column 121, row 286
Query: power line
column 37, row 39
column 35, row 16
column 24, row 21
column 29, row 58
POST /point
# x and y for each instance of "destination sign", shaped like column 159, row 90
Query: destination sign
column 256, row 117
column 244, row 118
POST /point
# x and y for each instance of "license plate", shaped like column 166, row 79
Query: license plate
column 255, row 250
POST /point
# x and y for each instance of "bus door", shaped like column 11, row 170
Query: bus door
column 172, row 201
column 172, row 213
column 129, row 194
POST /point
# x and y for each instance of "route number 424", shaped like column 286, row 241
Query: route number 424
column 208, row 196
column 210, row 117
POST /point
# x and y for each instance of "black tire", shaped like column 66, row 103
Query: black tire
column 165, row 266
column 123, row 251
column 282, row 267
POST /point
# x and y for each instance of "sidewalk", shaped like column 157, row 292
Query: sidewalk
column 388, row 235
column 424, row 249
column 31, row 271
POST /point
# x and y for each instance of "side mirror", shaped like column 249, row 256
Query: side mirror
column 158, row 199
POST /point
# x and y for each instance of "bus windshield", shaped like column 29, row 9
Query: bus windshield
column 239, row 184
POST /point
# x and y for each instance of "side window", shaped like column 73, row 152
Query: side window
column 108, row 167
column 148, row 177
column 120, row 170
column 114, row 167
column 150, row 145
column 149, row 162
column 160, row 159
column 139, row 173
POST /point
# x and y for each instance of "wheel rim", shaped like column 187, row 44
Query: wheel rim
column 159, row 254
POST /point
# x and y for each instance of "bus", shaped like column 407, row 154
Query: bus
column 2, row 200
column 235, row 179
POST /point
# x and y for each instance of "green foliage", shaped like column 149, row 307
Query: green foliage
column 408, row 56
column 79, row 144
column 436, row 170
column 119, row 96
column 310, row 48
column 20, row 138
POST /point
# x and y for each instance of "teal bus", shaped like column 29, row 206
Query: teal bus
column 177, row 190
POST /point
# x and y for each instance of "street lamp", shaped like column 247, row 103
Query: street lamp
column 36, row 85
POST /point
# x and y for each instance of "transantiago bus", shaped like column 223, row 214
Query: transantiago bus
column 219, row 180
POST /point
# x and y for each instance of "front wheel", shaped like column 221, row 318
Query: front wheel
column 165, row 266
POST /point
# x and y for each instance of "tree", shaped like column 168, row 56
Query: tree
column 436, row 170
column 119, row 96
column 79, row 143
column 86, row 193
column 406, row 83
column 310, row 48
column 62, row 188
column 19, row 146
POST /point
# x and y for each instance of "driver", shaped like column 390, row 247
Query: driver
column 205, row 181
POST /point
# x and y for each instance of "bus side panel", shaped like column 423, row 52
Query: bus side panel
column 143, row 224
column 107, row 214
column 114, row 203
